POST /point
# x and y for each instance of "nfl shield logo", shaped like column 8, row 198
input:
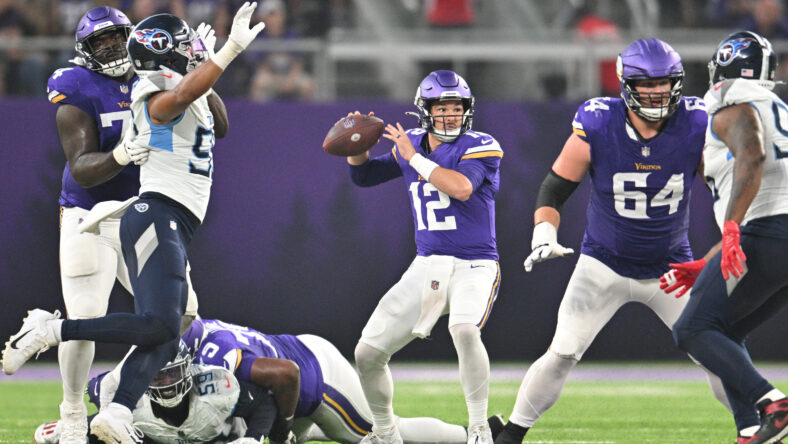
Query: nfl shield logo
column 645, row 151
column 349, row 122
column 435, row 285
column 124, row 89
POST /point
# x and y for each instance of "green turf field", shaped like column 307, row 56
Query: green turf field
column 588, row 411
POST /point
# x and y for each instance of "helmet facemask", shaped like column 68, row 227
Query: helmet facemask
column 427, row 120
column 194, row 50
column 173, row 382
column 110, row 60
column 669, row 100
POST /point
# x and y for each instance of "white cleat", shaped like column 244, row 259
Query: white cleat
column 114, row 425
column 33, row 338
column 480, row 434
column 375, row 438
column 48, row 433
column 74, row 421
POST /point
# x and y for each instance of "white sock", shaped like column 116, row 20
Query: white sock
column 75, row 358
column 430, row 430
column 541, row 388
column 474, row 370
column 772, row 396
column 749, row 431
column 378, row 386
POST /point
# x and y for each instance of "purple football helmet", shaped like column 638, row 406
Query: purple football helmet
column 194, row 335
column 650, row 59
column 444, row 85
column 112, row 61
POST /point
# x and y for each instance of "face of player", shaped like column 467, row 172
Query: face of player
column 653, row 92
column 447, row 115
column 108, row 46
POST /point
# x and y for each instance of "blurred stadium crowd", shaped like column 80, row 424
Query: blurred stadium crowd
column 345, row 49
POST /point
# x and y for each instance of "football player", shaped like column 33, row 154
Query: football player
column 451, row 174
column 317, row 392
column 172, row 120
column 186, row 403
column 744, row 283
column 642, row 152
column 93, row 99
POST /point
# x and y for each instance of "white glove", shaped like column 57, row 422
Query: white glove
column 240, row 35
column 246, row 441
column 129, row 151
column 208, row 37
column 545, row 245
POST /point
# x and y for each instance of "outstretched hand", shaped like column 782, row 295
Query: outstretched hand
column 398, row 135
column 240, row 32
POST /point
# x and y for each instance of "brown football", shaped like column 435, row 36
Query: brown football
column 353, row 135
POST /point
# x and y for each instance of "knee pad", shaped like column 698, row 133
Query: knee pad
column 86, row 305
column 369, row 358
column 464, row 334
column 79, row 256
column 560, row 363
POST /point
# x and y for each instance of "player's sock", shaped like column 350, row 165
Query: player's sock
column 541, row 387
column 430, row 430
column 75, row 358
column 378, row 386
column 772, row 395
column 474, row 370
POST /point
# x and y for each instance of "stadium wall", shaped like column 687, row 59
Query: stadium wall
column 289, row 245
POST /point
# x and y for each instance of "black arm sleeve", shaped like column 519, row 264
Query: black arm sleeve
column 258, row 410
column 555, row 190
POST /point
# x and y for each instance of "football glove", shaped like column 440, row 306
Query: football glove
column 289, row 439
column 681, row 277
column 208, row 37
column 240, row 35
column 128, row 151
column 544, row 245
column 733, row 258
column 281, row 430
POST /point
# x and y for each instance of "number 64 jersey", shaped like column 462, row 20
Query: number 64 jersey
column 180, row 165
column 637, row 213
column 772, row 197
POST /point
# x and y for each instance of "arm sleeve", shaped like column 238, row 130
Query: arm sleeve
column 376, row 171
column 554, row 191
column 256, row 406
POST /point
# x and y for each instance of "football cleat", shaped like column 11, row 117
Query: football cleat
column 74, row 422
column 115, row 425
column 511, row 434
column 496, row 425
column 774, row 423
column 480, row 434
column 48, row 433
column 375, row 438
column 33, row 338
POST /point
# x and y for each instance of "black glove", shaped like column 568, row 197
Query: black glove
column 280, row 431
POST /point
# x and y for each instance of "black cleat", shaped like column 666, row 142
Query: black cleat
column 774, row 423
column 511, row 434
column 496, row 425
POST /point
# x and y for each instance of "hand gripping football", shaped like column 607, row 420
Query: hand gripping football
column 353, row 135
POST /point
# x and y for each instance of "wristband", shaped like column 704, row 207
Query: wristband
column 120, row 154
column 423, row 166
column 226, row 55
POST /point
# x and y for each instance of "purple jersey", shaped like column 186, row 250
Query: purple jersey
column 444, row 225
column 235, row 348
column 637, row 214
column 108, row 101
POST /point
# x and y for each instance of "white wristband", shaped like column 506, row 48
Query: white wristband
column 544, row 233
column 226, row 55
column 423, row 166
column 120, row 154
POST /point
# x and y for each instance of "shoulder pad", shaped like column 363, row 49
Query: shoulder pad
column 64, row 82
column 483, row 145
column 226, row 381
column 592, row 114
column 155, row 82
column 733, row 92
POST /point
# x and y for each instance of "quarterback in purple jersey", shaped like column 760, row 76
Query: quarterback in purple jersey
column 451, row 174
column 642, row 152
column 317, row 393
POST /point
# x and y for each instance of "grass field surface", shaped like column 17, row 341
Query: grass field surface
column 601, row 409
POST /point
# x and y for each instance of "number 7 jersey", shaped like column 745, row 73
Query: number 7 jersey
column 638, row 216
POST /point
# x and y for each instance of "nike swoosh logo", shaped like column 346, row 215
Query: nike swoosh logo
column 718, row 86
column 476, row 266
column 13, row 343
column 487, row 141
column 169, row 76
column 251, row 398
column 781, row 424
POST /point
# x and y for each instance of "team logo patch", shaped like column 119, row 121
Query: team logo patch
column 156, row 40
column 730, row 50
column 434, row 285
column 349, row 122
column 141, row 207
column 645, row 151
column 173, row 225
column 124, row 89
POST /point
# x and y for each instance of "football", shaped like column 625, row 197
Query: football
column 353, row 135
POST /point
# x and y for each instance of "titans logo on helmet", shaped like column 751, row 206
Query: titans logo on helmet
column 729, row 50
column 156, row 40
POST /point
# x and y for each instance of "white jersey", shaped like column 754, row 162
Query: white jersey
column 212, row 400
column 772, row 197
column 180, row 165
